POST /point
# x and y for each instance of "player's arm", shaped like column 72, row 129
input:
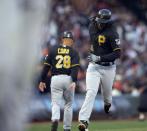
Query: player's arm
column 75, row 66
column 92, row 31
column 115, row 44
column 111, row 57
column 46, row 68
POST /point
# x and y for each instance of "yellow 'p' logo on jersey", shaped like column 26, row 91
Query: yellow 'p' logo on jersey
column 101, row 39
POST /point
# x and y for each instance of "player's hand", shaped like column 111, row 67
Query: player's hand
column 42, row 86
column 93, row 58
column 72, row 85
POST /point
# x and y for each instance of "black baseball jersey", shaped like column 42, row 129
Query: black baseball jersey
column 104, row 41
column 62, row 59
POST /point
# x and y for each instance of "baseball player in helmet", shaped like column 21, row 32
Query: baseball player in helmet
column 105, row 49
column 64, row 63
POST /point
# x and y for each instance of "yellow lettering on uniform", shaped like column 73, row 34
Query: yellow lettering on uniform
column 63, row 61
column 101, row 39
column 67, row 62
column 59, row 59
column 63, row 51
column 67, row 51
column 58, row 50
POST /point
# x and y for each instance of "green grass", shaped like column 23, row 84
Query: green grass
column 129, row 125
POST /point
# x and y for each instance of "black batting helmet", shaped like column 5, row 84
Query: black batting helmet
column 67, row 34
column 103, row 16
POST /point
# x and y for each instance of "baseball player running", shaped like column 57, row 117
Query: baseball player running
column 105, row 50
column 64, row 63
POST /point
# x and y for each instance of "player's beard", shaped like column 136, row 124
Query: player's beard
column 20, row 33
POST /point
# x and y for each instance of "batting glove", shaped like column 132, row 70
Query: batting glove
column 94, row 58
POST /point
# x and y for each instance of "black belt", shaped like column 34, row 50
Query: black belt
column 55, row 74
column 105, row 63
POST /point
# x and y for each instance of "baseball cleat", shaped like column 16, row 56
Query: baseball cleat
column 54, row 126
column 107, row 108
column 83, row 126
column 67, row 130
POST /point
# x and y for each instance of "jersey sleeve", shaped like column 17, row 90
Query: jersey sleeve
column 46, row 67
column 115, row 41
column 74, row 66
column 92, row 31
column 75, row 59
column 48, row 59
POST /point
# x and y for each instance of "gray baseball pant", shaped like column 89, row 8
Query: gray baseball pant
column 95, row 75
column 60, row 89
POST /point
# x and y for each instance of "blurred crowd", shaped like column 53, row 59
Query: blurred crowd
column 74, row 16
